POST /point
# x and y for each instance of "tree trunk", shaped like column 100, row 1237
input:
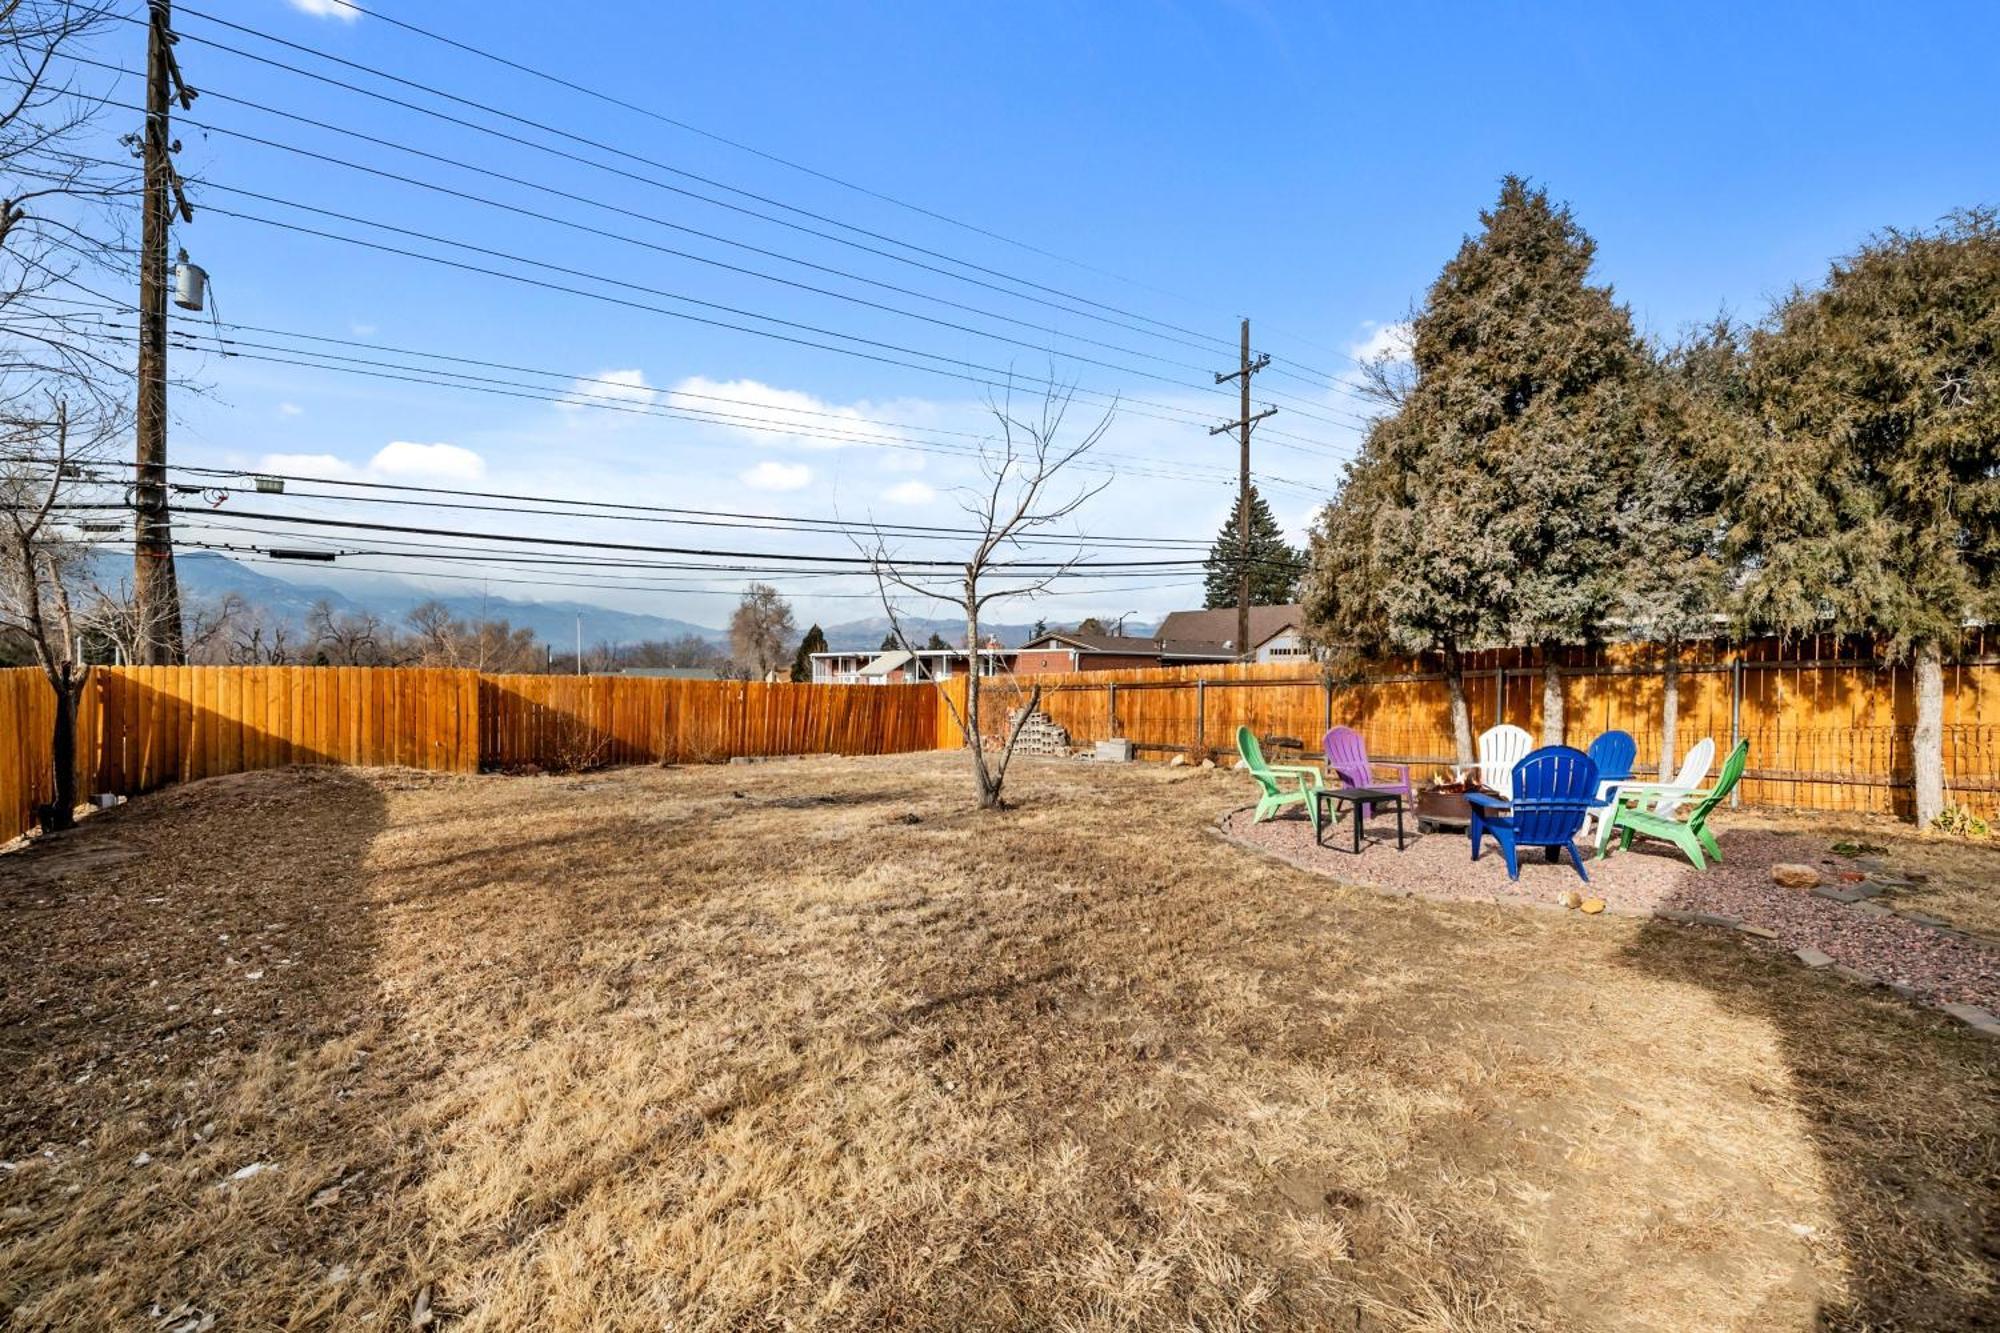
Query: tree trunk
column 1461, row 715
column 62, row 751
column 1552, row 698
column 1927, row 745
column 985, row 781
column 1670, row 711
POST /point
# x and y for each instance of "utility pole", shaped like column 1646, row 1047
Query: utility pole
column 1244, row 370
column 154, row 584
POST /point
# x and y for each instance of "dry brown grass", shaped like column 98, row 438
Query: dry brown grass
column 812, row 1046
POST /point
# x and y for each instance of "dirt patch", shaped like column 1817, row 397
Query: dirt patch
column 639, row 1052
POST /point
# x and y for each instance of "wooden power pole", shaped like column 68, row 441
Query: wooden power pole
column 154, row 585
column 1244, row 370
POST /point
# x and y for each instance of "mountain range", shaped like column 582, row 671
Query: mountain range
column 208, row 575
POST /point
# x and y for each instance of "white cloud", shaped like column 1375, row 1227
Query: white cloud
column 1383, row 340
column 290, row 410
column 327, row 9
column 361, row 330
column 400, row 458
column 777, row 410
column 909, row 493
column 773, row 476
column 307, row 465
column 609, row 388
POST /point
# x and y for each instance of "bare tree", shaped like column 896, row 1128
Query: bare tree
column 38, row 568
column 761, row 633
column 1023, row 467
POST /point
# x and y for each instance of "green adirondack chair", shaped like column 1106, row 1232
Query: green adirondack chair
column 1691, row 835
column 1273, row 777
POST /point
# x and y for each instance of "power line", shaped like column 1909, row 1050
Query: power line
column 391, row 371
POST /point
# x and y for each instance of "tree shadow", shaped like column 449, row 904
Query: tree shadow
column 1901, row 1108
column 201, row 1065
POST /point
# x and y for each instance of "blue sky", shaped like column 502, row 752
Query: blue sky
column 1311, row 166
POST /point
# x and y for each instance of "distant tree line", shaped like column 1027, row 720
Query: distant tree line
column 1544, row 476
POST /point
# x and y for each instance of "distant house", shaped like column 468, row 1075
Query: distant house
column 1277, row 633
column 663, row 673
column 898, row 666
column 1185, row 638
column 1065, row 650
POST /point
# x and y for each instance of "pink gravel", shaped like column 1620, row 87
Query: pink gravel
column 1935, row 965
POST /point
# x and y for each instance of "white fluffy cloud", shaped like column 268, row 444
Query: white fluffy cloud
column 774, row 476
column 776, row 410
column 327, row 9
column 290, row 410
column 399, row 458
column 610, row 388
column 909, row 493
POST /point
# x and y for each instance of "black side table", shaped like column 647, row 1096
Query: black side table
column 1330, row 799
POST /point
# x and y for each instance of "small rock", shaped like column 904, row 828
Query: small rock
column 246, row 1172
column 1761, row 932
column 1852, row 877
column 1591, row 906
column 1792, row 875
column 420, row 1309
column 253, row 976
column 1570, row 898
column 1812, row 957
column 143, row 1159
column 1178, row 761
column 1979, row 1019
column 1208, row 763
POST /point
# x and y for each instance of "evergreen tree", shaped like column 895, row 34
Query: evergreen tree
column 936, row 641
column 1675, row 578
column 813, row 642
column 890, row 643
column 1487, row 507
column 1275, row 564
column 1871, row 501
column 1041, row 628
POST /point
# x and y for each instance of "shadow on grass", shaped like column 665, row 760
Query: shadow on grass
column 1904, row 1111
column 187, row 989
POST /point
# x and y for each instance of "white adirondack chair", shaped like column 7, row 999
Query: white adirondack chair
column 1500, row 748
column 1661, row 798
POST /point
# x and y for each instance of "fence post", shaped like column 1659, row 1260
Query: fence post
column 1736, row 720
column 1200, row 720
column 1326, row 713
column 1111, row 705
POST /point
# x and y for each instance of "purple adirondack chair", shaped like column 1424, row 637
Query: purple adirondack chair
column 1347, row 758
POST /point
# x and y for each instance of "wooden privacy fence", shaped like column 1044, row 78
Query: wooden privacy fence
column 139, row 728
column 1827, row 730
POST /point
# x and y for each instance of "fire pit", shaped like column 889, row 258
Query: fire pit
column 1443, row 805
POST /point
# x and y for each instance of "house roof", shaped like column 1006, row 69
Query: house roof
column 885, row 663
column 1131, row 646
column 1218, row 627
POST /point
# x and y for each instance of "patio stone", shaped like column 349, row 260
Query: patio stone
column 1844, row 893
column 1980, row 1020
column 1761, row 932
column 1812, row 957
column 1688, row 918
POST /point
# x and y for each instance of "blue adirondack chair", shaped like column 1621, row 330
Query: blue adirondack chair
column 1614, row 753
column 1553, row 789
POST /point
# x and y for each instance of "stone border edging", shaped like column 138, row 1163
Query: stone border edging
column 1981, row 1020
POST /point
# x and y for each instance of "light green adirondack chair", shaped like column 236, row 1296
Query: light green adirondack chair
column 1272, row 778
column 1691, row 835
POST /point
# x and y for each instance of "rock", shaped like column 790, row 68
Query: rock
column 1792, row 875
column 1178, row 761
column 1570, row 898
column 1852, row 877
column 1687, row 918
column 1591, row 906
column 1761, row 932
column 1980, row 1020
column 143, row 1159
column 1848, row 893
column 1812, row 957
column 1208, row 763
